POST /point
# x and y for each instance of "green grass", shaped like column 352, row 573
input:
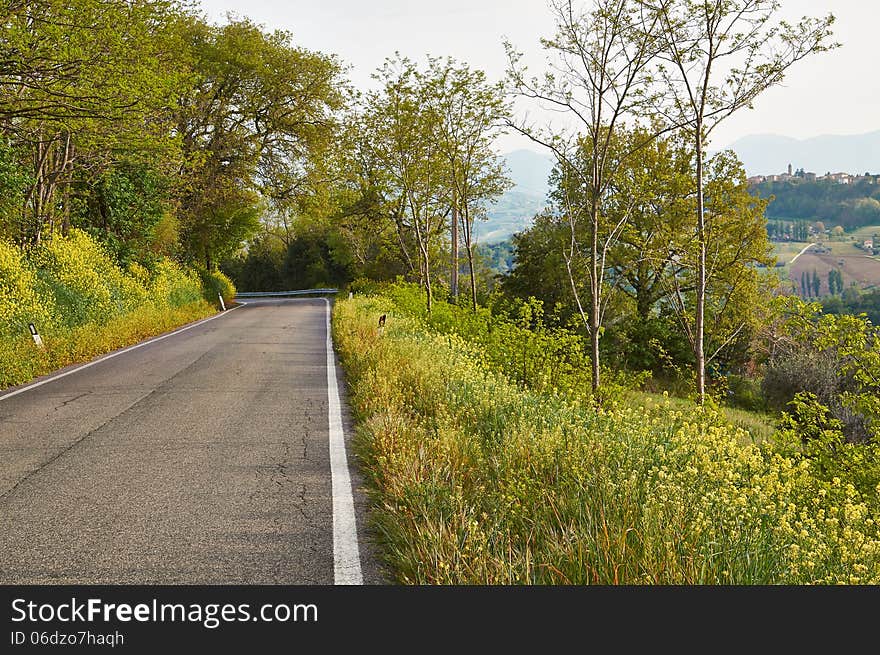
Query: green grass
column 477, row 479
column 758, row 427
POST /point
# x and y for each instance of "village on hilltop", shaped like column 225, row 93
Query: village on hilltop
column 801, row 175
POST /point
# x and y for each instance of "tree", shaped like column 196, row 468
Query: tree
column 80, row 83
column 817, row 284
column 737, row 249
column 599, row 77
column 470, row 112
column 835, row 282
column 415, row 173
column 834, row 358
column 716, row 58
column 254, row 124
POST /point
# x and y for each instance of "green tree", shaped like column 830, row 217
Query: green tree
column 105, row 92
column 717, row 58
column 470, row 113
column 257, row 118
column 598, row 77
column 413, row 173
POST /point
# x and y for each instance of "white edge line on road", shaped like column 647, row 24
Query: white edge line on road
column 346, row 554
column 117, row 353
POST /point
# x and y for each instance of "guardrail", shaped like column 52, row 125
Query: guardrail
column 276, row 294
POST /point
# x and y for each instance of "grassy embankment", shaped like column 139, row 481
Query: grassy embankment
column 479, row 478
column 83, row 304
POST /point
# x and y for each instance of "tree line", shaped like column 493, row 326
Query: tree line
column 849, row 205
column 161, row 134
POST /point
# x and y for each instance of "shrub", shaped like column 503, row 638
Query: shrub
column 216, row 283
column 86, row 283
column 174, row 286
column 22, row 297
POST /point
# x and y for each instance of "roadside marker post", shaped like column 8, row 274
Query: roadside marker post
column 36, row 335
column 222, row 304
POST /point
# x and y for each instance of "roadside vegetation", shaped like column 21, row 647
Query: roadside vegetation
column 83, row 304
column 481, row 478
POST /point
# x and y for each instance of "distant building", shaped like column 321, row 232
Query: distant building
column 810, row 177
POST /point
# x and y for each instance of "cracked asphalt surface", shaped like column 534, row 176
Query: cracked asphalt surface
column 199, row 459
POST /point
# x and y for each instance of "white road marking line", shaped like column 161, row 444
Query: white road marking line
column 117, row 353
column 346, row 554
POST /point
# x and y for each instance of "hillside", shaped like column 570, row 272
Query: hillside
column 515, row 210
column 850, row 205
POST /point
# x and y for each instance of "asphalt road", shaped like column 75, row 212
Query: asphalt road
column 201, row 458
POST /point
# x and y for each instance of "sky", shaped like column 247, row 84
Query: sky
column 836, row 92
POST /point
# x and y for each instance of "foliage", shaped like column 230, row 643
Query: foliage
column 835, row 359
column 83, row 303
column 419, row 168
column 846, row 205
column 256, row 121
column 477, row 481
column 856, row 303
column 216, row 283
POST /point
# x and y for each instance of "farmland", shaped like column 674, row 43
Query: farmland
column 856, row 266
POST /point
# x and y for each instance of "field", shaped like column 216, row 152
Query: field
column 856, row 266
column 860, row 270
column 785, row 251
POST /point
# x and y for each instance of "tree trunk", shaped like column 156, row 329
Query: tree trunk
column 428, row 289
column 453, row 277
column 468, row 243
column 699, row 318
column 473, row 278
column 595, row 289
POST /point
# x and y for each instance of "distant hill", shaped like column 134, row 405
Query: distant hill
column 770, row 154
column 515, row 210
column 529, row 171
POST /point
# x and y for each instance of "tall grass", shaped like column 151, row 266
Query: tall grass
column 84, row 304
column 476, row 479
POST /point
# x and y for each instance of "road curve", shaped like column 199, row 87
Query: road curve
column 200, row 458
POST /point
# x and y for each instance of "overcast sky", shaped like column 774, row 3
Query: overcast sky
column 831, row 93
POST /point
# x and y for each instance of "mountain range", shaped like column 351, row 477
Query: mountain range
column 770, row 154
column 761, row 154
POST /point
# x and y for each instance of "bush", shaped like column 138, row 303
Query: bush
column 745, row 393
column 175, row 286
column 84, row 304
column 87, row 285
column 216, row 283
column 23, row 298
